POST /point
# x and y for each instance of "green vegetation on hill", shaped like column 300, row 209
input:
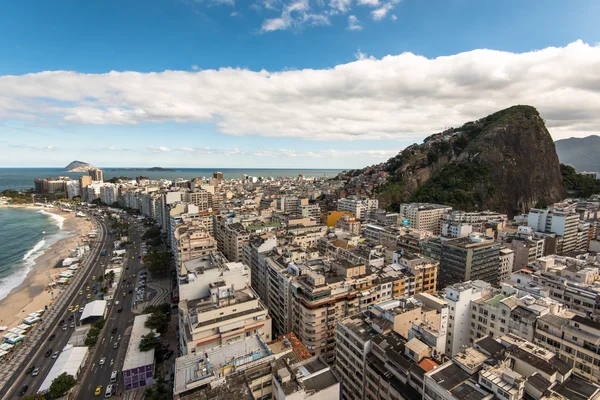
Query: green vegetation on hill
column 464, row 186
column 577, row 184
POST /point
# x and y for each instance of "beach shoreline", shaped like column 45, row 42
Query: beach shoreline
column 33, row 293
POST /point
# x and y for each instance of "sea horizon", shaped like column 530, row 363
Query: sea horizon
column 21, row 178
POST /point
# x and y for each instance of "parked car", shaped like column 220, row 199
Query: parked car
column 30, row 369
column 35, row 372
column 48, row 353
column 51, row 338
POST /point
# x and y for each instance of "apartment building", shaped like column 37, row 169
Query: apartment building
column 386, row 235
column 459, row 297
column 477, row 220
column 375, row 362
column 385, row 218
column 361, row 208
column 108, row 193
column 575, row 339
column 323, row 294
column 476, row 257
column 217, row 306
column 572, row 281
column 302, row 236
column 97, row 175
column 563, row 222
column 201, row 199
column 310, row 211
column 423, row 271
column 346, row 248
column 423, row 216
column 84, row 181
column 497, row 314
column 192, row 241
column 231, row 238
column 453, row 229
column 526, row 246
column 254, row 255
column 507, row 260
column 507, row 367
column 348, row 224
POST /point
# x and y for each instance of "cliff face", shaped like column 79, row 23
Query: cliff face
column 505, row 162
column 79, row 166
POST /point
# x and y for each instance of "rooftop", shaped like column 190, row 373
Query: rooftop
column 134, row 357
column 449, row 375
column 311, row 375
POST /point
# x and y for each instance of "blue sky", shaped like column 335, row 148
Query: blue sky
column 344, row 83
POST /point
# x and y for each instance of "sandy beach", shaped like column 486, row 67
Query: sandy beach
column 32, row 294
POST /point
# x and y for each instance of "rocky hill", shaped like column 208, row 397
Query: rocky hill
column 79, row 166
column 581, row 153
column 505, row 162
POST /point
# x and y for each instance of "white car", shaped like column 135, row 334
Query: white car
column 55, row 355
column 35, row 372
column 102, row 361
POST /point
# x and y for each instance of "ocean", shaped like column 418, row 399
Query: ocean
column 22, row 178
column 24, row 236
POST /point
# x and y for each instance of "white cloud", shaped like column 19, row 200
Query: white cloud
column 284, row 153
column 342, row 6
column 295, row 15
column 354, row 23
column 160, row 149
column 382, row 11
column 403, row 97
column 393, row 17
column 371, row 3
column 195, row 68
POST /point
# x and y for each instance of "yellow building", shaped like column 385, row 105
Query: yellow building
column 330, row 218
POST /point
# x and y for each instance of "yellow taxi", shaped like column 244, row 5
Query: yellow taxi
column 93, row 277
column 81, row 292
column 98, row 390
column 70, row 309
column 87, row 289
column 76, row 307
column 89, row 296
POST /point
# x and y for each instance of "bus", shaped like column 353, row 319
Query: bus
column 103, row 252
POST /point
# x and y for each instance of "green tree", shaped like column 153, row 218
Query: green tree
column 37, row 396
column 157, row 321
column 61, row 385
column 99, row 324
column 148, row 342
column 110, row 277
column 152, row 233
column 158, row 391
column 100, row 278
column 159, row 262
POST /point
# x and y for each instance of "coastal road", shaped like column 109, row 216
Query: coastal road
column 73, row 297
column 97, row 375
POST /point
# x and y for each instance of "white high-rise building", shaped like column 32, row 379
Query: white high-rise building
column 459, row 297
column 562, row 222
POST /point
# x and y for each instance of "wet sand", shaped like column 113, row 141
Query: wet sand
column 33, row 294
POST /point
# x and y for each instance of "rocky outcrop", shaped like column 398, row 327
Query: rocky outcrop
column 79, row 166
column 504, row 162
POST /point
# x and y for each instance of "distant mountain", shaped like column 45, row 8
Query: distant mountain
column 504, row 162
column 581, row 153
column 79, row 166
